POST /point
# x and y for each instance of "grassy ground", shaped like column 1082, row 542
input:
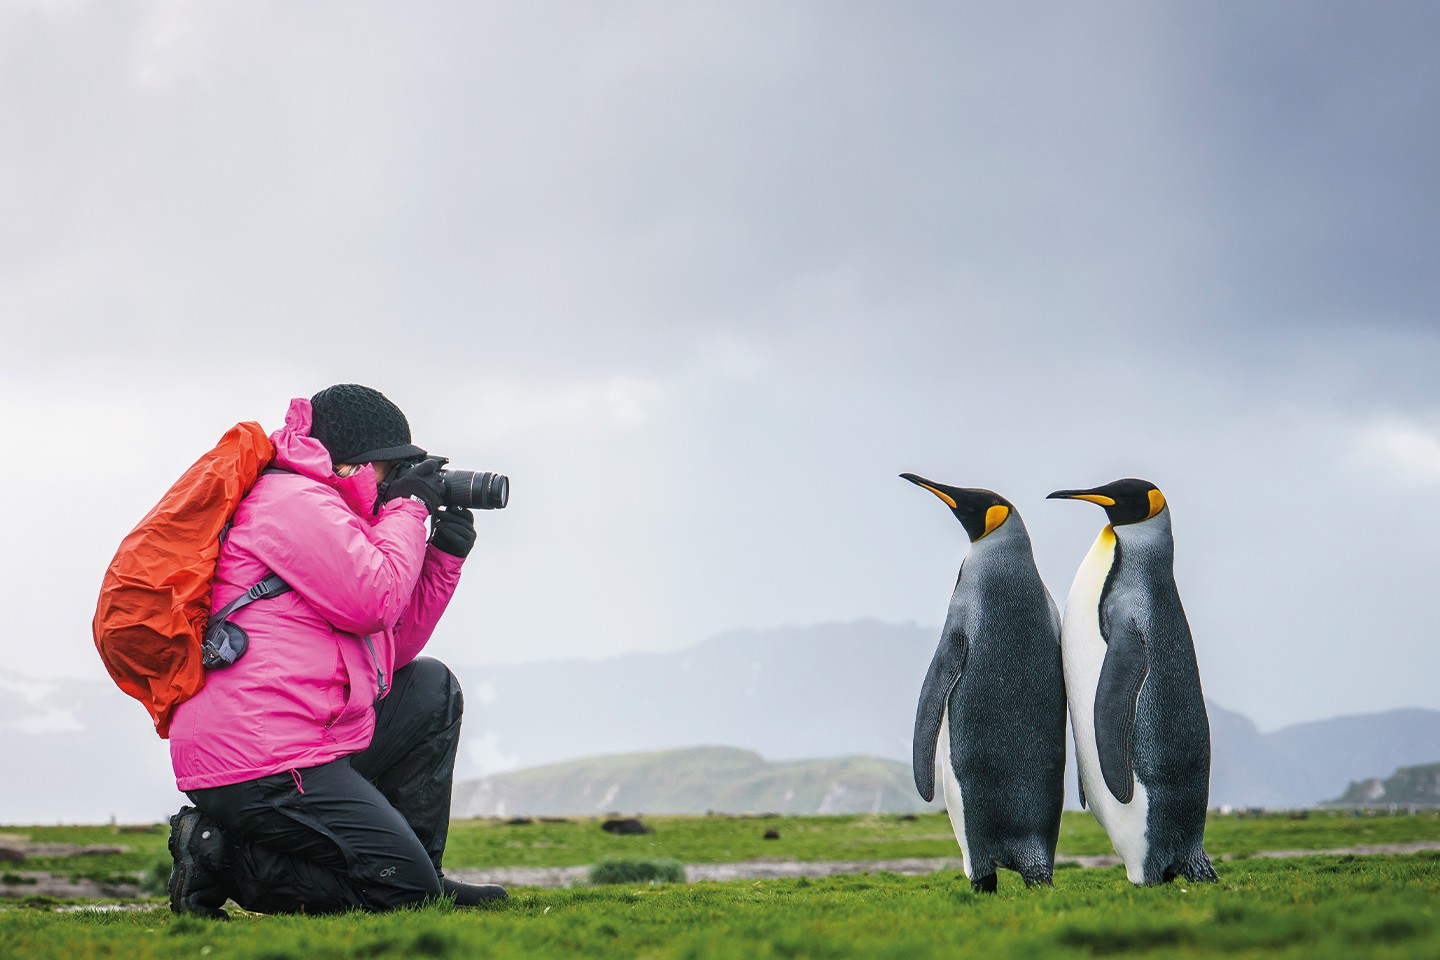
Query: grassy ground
column 724, row 839
column 581, row 842
column 1312, row 908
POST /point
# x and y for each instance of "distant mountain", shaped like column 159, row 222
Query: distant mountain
column 1407, row 787
column 788, row 694
column 850, row 689
column 1247, row 769
column 1359, row 747
column 77, row 751
column 694, row 781
column 1250, row 770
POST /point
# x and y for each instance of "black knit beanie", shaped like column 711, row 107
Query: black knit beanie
column 360, row 425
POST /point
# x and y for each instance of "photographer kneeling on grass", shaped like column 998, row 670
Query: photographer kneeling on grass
column 320, row 762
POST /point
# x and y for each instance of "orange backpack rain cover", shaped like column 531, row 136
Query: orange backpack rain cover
column 155, row 598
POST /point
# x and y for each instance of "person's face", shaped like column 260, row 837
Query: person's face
column 382, row 469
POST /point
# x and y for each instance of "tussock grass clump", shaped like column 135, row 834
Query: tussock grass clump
column 663, row 870
column 1115, row 938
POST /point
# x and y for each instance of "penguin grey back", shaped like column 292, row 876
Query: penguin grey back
column 996, row 685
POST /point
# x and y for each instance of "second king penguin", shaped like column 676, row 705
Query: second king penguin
column 1142, row 739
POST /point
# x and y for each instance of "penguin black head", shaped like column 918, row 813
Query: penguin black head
column 981, row 512
column 1125, row 501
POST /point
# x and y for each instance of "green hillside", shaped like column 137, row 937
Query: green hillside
column 1417, row 786
column 697, row 780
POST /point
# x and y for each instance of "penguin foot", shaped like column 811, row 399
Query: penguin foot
column 1197, row 868
column 986, row 884
column 1037, row 879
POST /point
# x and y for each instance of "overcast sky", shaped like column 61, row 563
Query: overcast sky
column 704, row 278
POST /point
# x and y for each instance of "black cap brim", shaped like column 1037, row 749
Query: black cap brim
column 406, row 451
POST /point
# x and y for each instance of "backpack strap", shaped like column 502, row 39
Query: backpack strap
column 271, row 586
column 225, row 642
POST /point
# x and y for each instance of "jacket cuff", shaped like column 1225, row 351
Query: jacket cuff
column 405, row 505
column 448, row 563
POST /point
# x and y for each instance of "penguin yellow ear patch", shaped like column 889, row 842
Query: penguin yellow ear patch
column 994, row 517
column 1157, row 502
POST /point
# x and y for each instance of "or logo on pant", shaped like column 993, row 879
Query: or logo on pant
column 388, row 872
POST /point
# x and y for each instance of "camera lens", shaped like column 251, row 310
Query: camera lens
column 475, row 490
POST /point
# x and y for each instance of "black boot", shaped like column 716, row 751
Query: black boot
column 472, row 894
column 196, row 884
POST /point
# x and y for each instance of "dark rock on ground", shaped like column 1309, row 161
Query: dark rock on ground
column 628, row 825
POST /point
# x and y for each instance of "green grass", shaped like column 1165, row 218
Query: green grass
column 1309, row 909
column 143, row 851
column 664, row 870
column 723, row 839
column 719, row 839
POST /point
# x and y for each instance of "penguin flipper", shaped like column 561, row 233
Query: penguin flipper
column 940, row 679
column 1116, row 698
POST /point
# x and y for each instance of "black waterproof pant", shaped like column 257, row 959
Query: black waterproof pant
column 365, row 831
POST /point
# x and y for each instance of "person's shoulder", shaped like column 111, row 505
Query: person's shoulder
column 278, row 485
column 281, row 479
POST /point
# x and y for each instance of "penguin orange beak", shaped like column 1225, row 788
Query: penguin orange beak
column 946, row 493
column 1088, row 495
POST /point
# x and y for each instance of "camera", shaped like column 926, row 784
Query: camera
column 468, row 489
column 474, row 489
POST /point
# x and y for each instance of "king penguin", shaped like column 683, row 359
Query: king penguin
column 1142, row 738
column 993, row 703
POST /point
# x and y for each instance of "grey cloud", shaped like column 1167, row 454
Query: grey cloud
column 704, row 277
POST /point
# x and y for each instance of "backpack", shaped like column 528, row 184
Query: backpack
column 153, row 619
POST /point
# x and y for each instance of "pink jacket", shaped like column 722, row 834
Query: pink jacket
column 303, row 693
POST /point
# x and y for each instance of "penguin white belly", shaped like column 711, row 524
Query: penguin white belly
column 953, row 802
column 1082, row 649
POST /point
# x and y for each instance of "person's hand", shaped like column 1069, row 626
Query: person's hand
column 421, row 481
column 454, row 531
